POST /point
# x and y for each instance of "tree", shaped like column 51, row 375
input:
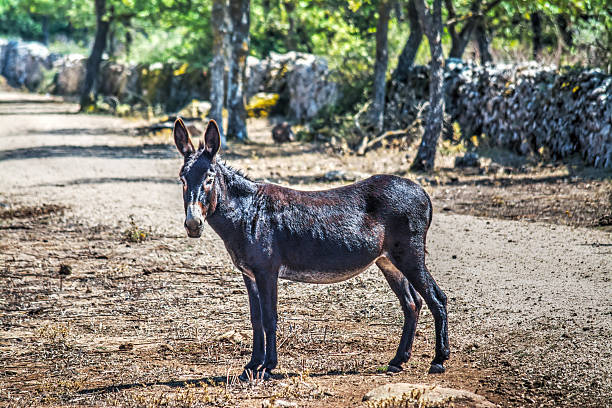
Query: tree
column 380, row 66
column 409, row 52
column 240, row 16
column 220, row 31
column 473, row 20
column 103, row 22
column 431, row 21
column 483, row 41
column 536, row 26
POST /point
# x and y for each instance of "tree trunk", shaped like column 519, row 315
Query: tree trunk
column 45, row 29
column 103, row 23
column 128, row 43
column 406, row 58
column 484, row 42
column 217, row 66
column 380, row 66
column 536, row 26
column 431, row 20
column 290, row 43
column 563, row 22
column 240, row 16
column 460, row 40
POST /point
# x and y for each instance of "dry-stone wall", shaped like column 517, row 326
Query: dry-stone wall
column 526, row 108
column 302, row 81
column 23, row 64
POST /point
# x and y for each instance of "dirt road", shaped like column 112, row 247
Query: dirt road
column 164, row 322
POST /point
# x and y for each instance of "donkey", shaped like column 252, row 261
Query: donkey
column 323, row 236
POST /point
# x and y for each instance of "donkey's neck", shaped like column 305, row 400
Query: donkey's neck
column 235, row 197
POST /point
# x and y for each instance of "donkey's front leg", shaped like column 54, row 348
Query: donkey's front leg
column 258, row 355
column 267, row 284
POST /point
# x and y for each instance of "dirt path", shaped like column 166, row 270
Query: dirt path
column 165, row 321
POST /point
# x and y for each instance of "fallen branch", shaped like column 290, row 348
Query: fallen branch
column 364, row 137
column 168, row 123
column 365, row 145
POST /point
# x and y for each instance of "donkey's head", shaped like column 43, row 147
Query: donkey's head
column 197, row 175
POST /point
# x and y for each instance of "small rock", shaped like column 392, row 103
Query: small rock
column 469, row 159
column 232, row 336
column 399, row 394
column 166, row 348
column 278, row 403
column 334, row 175
column 282, row 133
column 126, row 347
column 65, row 270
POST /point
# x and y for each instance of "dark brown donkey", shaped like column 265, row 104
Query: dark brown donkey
column 324, row 236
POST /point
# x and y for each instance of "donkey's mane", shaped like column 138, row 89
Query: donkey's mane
column 234, row 171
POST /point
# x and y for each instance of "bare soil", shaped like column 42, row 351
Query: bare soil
column 144, row 316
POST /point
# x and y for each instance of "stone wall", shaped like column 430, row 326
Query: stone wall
column 526, row 108
column 23, row 64
column 301, row 80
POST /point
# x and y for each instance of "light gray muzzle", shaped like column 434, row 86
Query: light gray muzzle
column 194, row 220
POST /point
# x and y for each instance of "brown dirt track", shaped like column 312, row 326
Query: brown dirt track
column 164, row 322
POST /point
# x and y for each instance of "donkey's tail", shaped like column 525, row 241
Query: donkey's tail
column 428, row 222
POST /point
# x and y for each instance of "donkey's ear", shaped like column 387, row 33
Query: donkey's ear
column 181, row 138
column 212, row 138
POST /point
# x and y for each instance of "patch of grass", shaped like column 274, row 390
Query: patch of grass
column 134, row 233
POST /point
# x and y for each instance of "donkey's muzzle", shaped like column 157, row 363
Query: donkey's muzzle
column 194, row 221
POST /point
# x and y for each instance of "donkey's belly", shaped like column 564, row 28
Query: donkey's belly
column 315, row 276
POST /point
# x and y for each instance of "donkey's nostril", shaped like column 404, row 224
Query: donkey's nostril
column 193, row 223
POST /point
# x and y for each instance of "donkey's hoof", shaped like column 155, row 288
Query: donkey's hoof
column 436, row 369
column 394, row 369
column 249, row 375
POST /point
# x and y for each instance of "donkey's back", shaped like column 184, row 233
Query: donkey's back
column 331, row 235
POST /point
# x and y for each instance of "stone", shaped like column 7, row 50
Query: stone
column 303, row 82
column 470, row 159
column 278, row 403
column 70, row 74
column 341, row 175
column 23, row 64
column 310, row 87
column 423, row 395
column 282, row 133
column 232, row 336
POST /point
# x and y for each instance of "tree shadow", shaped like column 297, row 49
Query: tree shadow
column 512, row 181
column 152, row 151
column 99, row 131
column 111, row 180
column 201, row 382
column 147, row 151
column 34, row 113
column 198, row 382
column 30, row 101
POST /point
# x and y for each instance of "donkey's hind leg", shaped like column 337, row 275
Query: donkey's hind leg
column 409, row 257
column 411, row 306
column 258, row 354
